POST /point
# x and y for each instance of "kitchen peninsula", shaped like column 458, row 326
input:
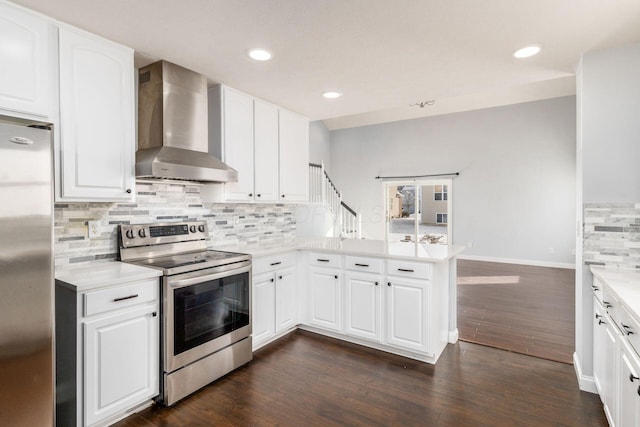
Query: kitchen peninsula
column 399, row 298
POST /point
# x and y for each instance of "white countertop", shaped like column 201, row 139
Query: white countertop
column 625, row 284
column 98, row 275
column 360, row 247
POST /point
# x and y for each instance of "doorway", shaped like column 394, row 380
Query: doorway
column 418, row 213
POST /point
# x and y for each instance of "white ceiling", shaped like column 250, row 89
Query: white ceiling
column 382, row 55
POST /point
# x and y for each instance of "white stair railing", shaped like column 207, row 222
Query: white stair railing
column 323, row 190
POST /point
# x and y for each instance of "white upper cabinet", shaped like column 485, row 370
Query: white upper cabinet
column 294, row 157
column 97, row 136
column 266, row 151
column 268, row 146
column 27, row 48
column 237, row 149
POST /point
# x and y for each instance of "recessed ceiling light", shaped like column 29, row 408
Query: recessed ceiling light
column 332, row 94
column 526, row 52
column 259, row 54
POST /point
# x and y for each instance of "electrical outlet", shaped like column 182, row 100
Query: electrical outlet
column 469, row 244
column 94, row 229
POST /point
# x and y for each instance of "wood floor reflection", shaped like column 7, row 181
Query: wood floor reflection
column 526, row 309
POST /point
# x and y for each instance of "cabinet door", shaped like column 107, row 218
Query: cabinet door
column 237, row 150
column 363, row 310
column 26, row 52
column 263, row 322
column 294, row 157
column 121, row 356
column 266, row 152
column 599, row 353
column 97, row 135
column 610, row 374
column 325, row 300
column 407, row 303
column 629, row 388
column 286, row 299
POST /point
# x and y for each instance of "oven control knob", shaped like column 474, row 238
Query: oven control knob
column 129, row 234
column 201, row 228
column 142, row 233
column 192, row 228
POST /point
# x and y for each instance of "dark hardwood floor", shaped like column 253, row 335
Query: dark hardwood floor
column 305, row 379
column 526, row 309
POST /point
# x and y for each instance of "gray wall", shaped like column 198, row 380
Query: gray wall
column 515, row 196
column 320, row 144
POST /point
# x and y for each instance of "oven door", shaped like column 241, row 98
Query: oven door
column 205, row 311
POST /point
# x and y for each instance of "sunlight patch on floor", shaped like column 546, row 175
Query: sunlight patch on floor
column 488, row 280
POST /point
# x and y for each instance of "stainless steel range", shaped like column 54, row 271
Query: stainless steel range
column 206, row 303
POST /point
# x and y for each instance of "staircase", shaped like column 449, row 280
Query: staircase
column 347, row 222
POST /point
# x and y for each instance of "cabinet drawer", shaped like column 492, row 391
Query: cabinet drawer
column 123, row 296
column 325, row 260
column 630, row 328
column 408, row 269
column 273, row 262
column 371, row 265
column 597, row 287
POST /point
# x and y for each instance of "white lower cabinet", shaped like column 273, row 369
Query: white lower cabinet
column 275, row 298
column 407, row 309
column 121, row 362
column 363, row 314
column 325, row 298
column 599, row 336
column 110, row 365
column 610, row 375
column 629, row 387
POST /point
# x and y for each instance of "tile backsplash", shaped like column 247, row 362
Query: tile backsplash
column 164, row 202
column 612, row 234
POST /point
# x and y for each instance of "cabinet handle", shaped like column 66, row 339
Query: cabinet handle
column 276, row 263
column 600, row 322
column 250, row 194
column 362, row 265
column 405, row 270
column 595, row 288
column 283, row 196
column 632, row 377
column 607, row 304
column 626, row 329
column 258, row 195
column 639, row 390
column 154, row 314
column 335, row 277
column 125, row 298
column 598, row 316
column 280, row 277
column 376, row 283
column 128, row 191
column 272, row 279
column 388, row 283
column 323, row 260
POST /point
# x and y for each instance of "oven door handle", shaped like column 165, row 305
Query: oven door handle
column 181, row 283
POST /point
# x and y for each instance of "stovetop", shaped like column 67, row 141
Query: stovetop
column 186, row 262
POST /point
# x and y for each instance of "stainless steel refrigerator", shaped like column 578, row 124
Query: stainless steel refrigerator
column 26, row 277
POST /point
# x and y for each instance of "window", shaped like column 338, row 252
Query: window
column 441, row 218
column 440, row 193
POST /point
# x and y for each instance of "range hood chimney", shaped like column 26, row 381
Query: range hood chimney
column 173, row 138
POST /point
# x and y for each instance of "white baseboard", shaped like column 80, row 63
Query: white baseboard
column 535, row 263
column 453, row 336
column 585, row 382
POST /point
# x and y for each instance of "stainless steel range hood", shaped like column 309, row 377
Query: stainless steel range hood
column 172, row 126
